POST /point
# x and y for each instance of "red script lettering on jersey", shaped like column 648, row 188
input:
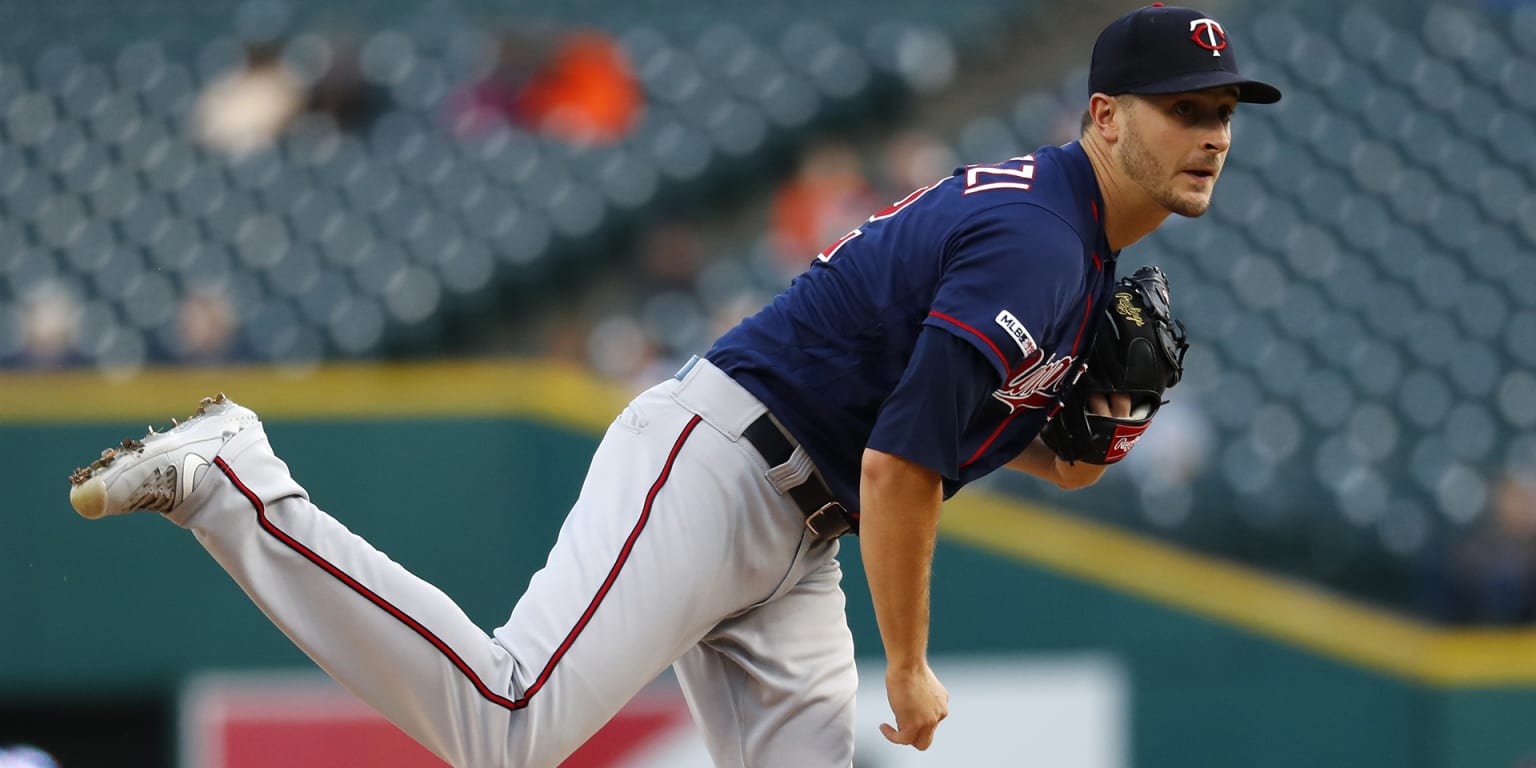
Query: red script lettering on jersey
column 1037, row 386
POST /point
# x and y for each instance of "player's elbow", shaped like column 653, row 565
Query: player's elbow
column 1074, row 483
column 886, row 478
column 878, row 467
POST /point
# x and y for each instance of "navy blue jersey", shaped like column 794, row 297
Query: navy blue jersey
column 1009, row 258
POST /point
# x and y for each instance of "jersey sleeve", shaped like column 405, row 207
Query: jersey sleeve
column 1009, row 275
column 922, row 420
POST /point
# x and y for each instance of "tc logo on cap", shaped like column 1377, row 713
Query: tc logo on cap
column 1208, row 34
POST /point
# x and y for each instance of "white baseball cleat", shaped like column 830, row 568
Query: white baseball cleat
column 155, row 474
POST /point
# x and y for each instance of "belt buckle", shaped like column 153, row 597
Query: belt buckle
column 837, row 525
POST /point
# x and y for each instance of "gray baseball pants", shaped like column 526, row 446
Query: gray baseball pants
column 681, row 550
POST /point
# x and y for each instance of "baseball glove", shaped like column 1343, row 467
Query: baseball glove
column 1138, row 350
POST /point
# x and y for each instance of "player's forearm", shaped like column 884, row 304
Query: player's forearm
column 1036, row 460
column 898, row 526
column 1040, row 461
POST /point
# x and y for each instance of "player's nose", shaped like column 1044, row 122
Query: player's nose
column 1218, row 139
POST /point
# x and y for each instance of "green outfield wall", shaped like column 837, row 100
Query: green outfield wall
column 1227, row 667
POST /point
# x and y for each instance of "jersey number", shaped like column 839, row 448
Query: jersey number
column 980, row 178
column 977, row 179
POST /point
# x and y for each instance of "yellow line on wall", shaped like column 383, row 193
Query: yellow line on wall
column 566, row 396
column 1261, row 603
column 558, row 394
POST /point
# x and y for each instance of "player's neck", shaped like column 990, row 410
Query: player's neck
column 1129, row 212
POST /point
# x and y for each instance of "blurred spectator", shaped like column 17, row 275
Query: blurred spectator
column 671, row 255
column 205, row 326
column 652, row 321
column 562, row 334
column 1489, row 577
column 493, row 99
column 913, row 159
column 247, row 109
column 619, row 348
column 585, row 93
column 344, row 94
column 826, row 198
column 50, row 326
column 578, row 88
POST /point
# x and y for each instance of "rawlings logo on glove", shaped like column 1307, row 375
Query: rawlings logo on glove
column 1125, row 439
column 1139, row 351
column 1126, row 309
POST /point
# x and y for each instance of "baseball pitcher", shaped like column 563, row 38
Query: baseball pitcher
column 919, row 352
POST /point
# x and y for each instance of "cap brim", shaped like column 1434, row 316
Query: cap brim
column 1251, row 91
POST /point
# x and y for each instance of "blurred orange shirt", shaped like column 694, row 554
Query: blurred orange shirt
column 827, row 197
column 585, row 92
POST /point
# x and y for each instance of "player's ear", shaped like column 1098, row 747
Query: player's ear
column 1103, row 117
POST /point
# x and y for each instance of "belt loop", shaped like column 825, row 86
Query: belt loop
column 825, row 517
column 714, row 395
column 735, row 413
column 682, row 373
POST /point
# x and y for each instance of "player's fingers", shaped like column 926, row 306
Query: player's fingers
column 925, row 735
column 894, row 736
column 919, row 738
column 1120, row 404
column 925, row 739
column 1099, row 405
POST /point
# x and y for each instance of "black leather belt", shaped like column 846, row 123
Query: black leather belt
column 825, row 517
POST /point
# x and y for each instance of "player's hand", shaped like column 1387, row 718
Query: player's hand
column 919, row 702
column 1117, row 405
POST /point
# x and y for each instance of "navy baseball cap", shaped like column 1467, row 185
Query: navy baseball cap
column 1167, row 49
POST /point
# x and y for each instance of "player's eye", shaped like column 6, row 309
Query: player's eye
column 1225, row 113
column 1184, row 109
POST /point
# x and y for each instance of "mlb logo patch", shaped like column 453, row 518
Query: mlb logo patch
column 1018, row 333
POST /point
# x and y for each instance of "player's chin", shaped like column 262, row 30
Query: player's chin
column 1189, row 206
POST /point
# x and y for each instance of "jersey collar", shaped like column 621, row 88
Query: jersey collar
column 1086, row 186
